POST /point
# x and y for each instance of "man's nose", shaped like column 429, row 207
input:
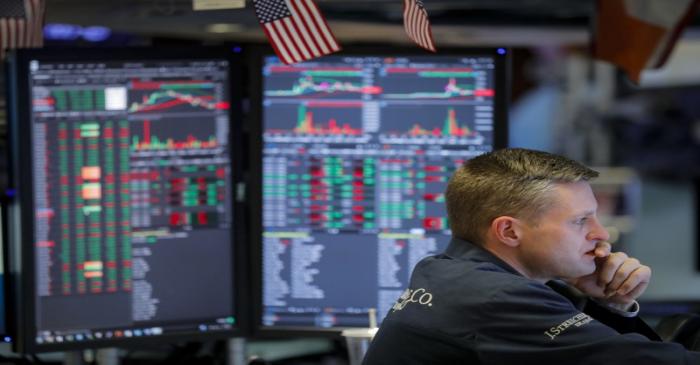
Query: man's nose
column 598, row 232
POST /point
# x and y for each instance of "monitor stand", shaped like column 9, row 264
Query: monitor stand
column 108, row 356
column 236, row 351
column 73, row 358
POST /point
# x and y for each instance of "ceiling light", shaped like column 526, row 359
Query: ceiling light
column 224, row 28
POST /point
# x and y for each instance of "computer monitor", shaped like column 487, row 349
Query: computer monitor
column 3, row 329
column 356, row 150
column 124, row 224
column 4, row 337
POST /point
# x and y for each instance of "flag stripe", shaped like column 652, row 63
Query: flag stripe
column 318, row 18
column 311, row 10
column 34, row 17
column 3, row 37
column 277, row 45
column 428, row 36
column 417, row 24
column 423, row 33
column 302, row 36
column 282, row 34
column 410, row 16
column 314, row 28
column 39, row 19
column 304, row 31
column 292, row 31
column 417, row 28
column 407, row 23
column 284, row 41
column 29, row 11
column 14, row 32
column 296, row 44
column 22, row 33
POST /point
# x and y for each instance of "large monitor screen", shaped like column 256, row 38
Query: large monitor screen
column 357, row 151
column 125, row 174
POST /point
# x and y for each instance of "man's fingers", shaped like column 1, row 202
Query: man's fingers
column 610, row 267
column 622, row 274
column 636, row 292
column 602, row 249
column 638, row 280
column 618, row 278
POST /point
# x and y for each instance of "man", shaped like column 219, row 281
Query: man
column 524, row 232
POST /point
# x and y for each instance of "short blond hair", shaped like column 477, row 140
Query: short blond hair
column 514, row 182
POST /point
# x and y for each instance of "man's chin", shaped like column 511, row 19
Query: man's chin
column 587, row 270
column 582, row 271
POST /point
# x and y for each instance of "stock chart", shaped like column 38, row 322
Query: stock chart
column 357, row 154
column 132, row 186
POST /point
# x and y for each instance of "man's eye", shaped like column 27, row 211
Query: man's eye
column 582, row 221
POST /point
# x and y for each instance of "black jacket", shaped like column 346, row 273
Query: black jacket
column 466, row 306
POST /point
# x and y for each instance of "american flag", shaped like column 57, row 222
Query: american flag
column 21, row 24
column 417, row 25
column 296, row 29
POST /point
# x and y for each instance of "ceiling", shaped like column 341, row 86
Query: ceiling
column 454, row 22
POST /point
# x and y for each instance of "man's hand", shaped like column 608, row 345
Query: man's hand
column 617, row 280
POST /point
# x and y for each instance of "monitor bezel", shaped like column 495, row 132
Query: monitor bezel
column 5, row 297
column 24, row 327
column 256, row 59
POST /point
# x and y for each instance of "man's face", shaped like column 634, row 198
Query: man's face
column 561, row 243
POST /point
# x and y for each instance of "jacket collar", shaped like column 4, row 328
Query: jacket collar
column 465, row 250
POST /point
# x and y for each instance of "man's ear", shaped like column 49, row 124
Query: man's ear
column 506, row 230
